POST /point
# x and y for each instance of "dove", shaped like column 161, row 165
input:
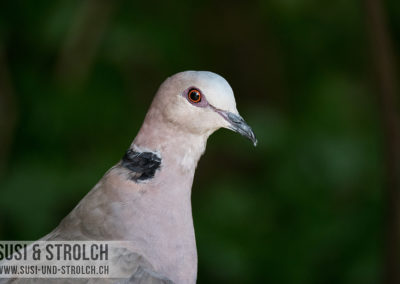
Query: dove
column 146, row 197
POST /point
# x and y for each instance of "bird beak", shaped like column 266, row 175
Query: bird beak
column 240, row 126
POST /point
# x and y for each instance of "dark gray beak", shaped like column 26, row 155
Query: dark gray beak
column 240, row 126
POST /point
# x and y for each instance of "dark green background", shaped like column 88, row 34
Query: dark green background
column 304, row 206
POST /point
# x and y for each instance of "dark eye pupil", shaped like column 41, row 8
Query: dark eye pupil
column 194, row 95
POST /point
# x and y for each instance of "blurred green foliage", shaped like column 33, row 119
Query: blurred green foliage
column 305, row 206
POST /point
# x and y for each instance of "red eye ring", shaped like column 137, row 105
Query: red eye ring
column 194, row 95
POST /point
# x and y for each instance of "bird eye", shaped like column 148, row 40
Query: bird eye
column 194, row 95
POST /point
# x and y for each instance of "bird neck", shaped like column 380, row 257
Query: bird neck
column 169, row 199
column 179, row 147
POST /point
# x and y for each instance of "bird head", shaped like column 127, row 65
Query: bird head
column 200, row 102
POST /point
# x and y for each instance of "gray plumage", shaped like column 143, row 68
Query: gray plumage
column 145, row 198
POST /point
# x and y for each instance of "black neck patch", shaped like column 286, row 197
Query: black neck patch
column 143, row 165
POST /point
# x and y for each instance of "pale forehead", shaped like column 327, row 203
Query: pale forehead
column 216, row 89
